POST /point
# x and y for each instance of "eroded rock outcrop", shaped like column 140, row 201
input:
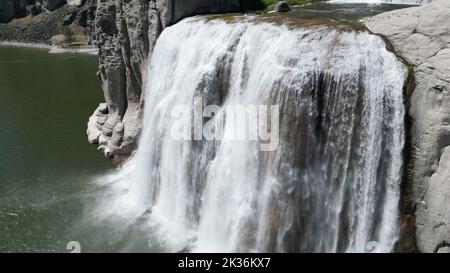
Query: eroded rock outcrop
column 10, row 9
column 126, row 33
column 421, row 35
column 49, row 21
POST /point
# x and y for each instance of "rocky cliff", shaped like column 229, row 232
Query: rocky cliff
column 10, row 9
column 421, row 35
column 47, row 21
column 126, row 33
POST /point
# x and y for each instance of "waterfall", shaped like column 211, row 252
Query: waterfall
column 333, row 183
column 403, row 2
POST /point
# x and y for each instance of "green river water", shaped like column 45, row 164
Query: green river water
column 46, row 163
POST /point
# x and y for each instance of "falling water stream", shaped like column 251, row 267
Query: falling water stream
column 332, row 184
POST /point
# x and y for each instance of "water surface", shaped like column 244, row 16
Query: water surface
column 46, row 163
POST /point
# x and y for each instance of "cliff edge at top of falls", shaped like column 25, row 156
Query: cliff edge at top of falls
column 421, row 35
column 126, row 32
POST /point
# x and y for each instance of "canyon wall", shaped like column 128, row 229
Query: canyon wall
column 421, row 35
column 127, row 31
column 48, row 21
column 10, row 9
column 126, row 34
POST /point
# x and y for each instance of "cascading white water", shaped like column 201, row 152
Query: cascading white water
column 404, row 2
column 333, row 183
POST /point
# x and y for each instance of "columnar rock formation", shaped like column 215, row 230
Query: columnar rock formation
column 421, row 35
column 126, row 34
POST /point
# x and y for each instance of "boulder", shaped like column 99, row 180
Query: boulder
column 96, row 122
column 282, row 6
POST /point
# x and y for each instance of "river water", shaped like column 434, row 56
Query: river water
column 46, row 164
